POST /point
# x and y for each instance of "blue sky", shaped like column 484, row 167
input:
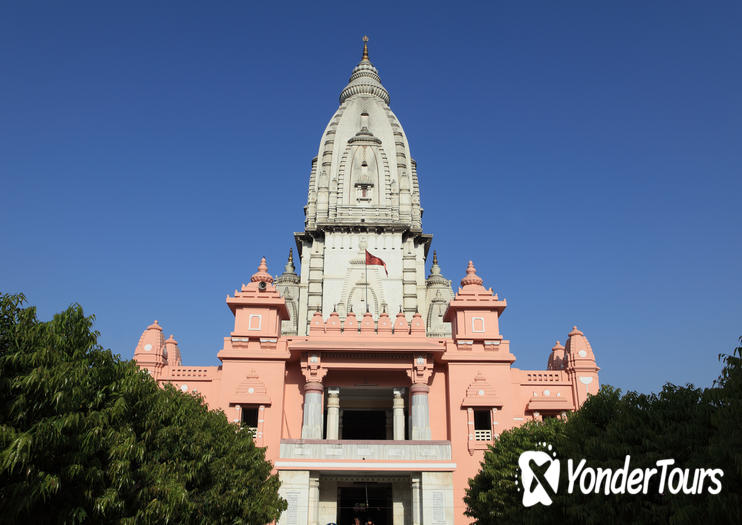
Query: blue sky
column 586, row 155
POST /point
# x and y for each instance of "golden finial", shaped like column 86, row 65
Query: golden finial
column 365, row 48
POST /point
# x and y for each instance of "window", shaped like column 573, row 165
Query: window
column 482, row 425
column 249, row 420
column 255, row 321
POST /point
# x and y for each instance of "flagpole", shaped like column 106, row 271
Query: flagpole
column 366, row 265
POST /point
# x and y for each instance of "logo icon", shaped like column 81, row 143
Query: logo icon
column 539, row 476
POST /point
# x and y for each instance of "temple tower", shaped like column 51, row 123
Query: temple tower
column 364, row 195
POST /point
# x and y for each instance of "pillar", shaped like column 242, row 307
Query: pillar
column 416, row 514
column 420, row 413
column 398, row 417
column 313, row 499
column 333, row 413
column 312, row 427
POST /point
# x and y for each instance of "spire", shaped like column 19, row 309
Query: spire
column 578, row 351
column 435, row 276
column 364, row 80
column 365, row 48
column 262, row 274
column 289, row 271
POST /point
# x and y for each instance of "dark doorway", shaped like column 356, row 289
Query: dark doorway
column 364, row 424
column 365, row 501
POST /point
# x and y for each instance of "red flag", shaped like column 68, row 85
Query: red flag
column 375, row 261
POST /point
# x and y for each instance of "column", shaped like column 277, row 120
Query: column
column 312, row 427
column 333, row 413
column 398, row 417
column 313, row 499
column 420, row 413
column 416, row 514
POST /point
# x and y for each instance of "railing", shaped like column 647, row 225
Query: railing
column 253, row 431
column 189, row 372
column 366, row 450
column 482, row 435
column 545, row 377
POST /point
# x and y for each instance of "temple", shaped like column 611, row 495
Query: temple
column 375, row 389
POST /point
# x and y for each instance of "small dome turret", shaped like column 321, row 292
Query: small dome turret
column 289, row 271
column 556, row 358
column 435, row 276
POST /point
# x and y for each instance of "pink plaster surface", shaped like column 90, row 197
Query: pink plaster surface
column 472, row 370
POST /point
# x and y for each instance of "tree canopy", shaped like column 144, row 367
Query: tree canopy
column 86, row 437
column 698, row 428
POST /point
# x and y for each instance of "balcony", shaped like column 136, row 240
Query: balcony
column 324, row 454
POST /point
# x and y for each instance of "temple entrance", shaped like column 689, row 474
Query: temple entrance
column 365, row 501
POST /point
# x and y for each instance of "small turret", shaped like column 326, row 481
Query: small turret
column 289, row 271
column 150, row 352
column 438, row 294
column 580, row 366
column 172, row 352
column 556, row 358
column 287, row 285
column 578, row 352
column 258, row 308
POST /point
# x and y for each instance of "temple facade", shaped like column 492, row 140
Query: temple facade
column 375, row 389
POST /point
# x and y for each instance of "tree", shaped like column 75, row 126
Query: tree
column 698, row 428
column 494, row 494
column 88, row 437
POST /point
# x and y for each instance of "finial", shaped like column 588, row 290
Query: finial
column 262, row 274
column 290, row 268
column 435, row 257
column 471, row 276
column 365, row 48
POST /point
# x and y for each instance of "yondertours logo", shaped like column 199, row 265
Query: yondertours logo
column 540, row 471
column 539, row 475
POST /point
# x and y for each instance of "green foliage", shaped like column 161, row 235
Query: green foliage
column 87, row 437
column 696, row 427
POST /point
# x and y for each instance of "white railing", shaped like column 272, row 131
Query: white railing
column 253, row 431
column 483, row 435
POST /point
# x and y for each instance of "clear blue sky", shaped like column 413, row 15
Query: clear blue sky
column 587, row 156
